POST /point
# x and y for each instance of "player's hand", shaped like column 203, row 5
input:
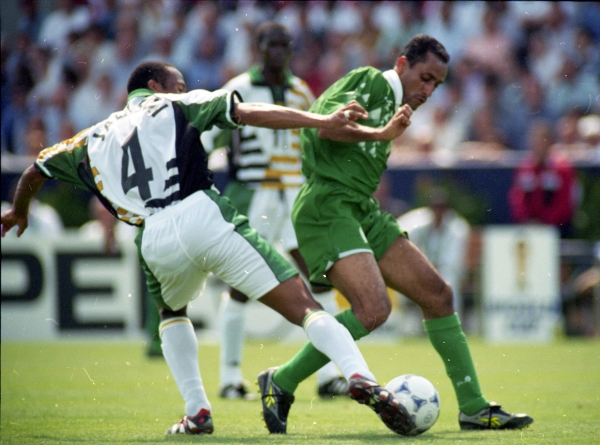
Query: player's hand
column 347, row 115
column 11, row 219
column 397, row 124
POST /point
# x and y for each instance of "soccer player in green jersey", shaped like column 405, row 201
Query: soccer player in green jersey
column 349, row 243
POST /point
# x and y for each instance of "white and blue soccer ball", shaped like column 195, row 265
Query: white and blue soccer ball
column 419, row 397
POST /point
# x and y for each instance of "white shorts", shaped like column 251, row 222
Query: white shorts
column 270, row 213
column 181, row 245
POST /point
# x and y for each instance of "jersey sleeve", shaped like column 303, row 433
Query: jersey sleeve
column 61, row 161
column 205, row 109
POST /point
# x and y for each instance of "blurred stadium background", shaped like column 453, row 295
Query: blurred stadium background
column 65, row 64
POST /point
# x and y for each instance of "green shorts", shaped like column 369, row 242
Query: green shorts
column 333, row 222
column 239, row 195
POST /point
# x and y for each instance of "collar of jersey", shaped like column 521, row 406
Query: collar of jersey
column 257, row 78
column 139, row 92
column 392, row 77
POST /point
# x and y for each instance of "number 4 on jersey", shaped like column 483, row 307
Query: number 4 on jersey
column 141, row 175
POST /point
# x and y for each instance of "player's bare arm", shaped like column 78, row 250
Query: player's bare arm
column 277, row 117
column 29, row 185
column 359, row 133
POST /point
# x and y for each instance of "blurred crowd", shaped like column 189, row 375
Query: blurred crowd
column 512, row 63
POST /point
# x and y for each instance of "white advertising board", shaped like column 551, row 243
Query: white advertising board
column 64, row 287
column 520, row 283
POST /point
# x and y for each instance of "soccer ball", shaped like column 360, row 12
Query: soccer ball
column 419, row 397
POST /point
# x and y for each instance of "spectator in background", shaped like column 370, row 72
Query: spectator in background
column 126, row 52
column 442, row 23
column 492, row 51
column 54, row 108
column 31, row 20
column 14, row 122
column 206, row 69
column 544, row 186
column 573, row 88
column 67, row 17
column 44, row 220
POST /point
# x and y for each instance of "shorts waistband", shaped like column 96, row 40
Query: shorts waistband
column 189, row 201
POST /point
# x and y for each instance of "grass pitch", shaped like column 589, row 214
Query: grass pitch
column 110, row 393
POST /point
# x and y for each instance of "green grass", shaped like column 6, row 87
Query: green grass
column 101, row 393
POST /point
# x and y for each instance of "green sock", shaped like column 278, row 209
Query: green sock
column 309, row 359
column 449, row 340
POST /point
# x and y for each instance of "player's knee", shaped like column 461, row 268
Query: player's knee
column 375, row 314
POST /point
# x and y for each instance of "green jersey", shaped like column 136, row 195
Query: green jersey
column 358, row 166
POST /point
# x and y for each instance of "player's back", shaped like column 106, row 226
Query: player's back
column 132, row 156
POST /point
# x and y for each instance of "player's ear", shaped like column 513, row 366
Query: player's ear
column 401, row 64
column 155, row 86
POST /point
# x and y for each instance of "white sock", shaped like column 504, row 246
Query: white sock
column 333, row 339
column 180, row 349
column 330, row 371
column 233, row 321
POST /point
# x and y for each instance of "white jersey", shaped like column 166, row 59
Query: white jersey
column 146, row 157
column 262, row 157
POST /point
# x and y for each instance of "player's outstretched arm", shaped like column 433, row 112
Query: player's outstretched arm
column 29, row 185
column 362, row 133
column 277, row 117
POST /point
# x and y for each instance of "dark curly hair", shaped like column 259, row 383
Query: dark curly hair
column 417, row 48
column 266, row 27
column 146, row 71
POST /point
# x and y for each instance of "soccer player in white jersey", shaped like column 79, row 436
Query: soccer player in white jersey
column 147, row 166
column 265, row 168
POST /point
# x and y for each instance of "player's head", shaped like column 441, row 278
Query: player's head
column 438, row 203
column 422, row 66
column 160, row 77
column 274, row 43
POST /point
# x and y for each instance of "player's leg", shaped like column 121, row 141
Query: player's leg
column 151, row 325
column 330, row 338
column 180, row 349
column 232, row 315
column 407, row 270
column 232, row 324
column 330, row 381
column 332, row 241
column 172, row 248
column 248, row 263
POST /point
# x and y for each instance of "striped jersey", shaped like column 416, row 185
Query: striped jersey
column 358, row 166
column 262, row 157
column 146, row 157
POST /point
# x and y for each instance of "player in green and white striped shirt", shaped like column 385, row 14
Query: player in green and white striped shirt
column 265, row 167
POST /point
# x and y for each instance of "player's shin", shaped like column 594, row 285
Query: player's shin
column 334, row 340
column 180, row 349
